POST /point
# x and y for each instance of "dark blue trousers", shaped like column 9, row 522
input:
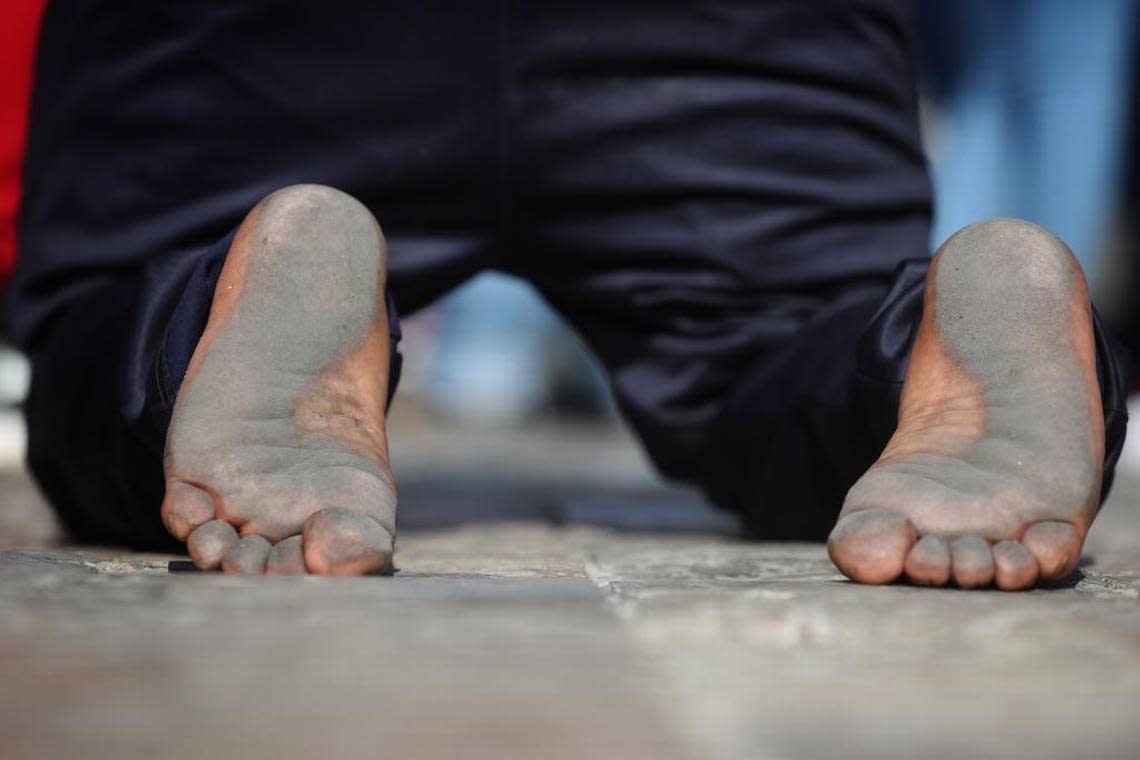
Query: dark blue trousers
column 727, row 199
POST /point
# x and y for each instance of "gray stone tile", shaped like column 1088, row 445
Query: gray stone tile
column 105, row 657
column 776, row 655
column 578, row 628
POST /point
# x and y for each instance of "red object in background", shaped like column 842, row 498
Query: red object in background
column 19, row 27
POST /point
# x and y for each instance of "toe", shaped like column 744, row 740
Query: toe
column 210, row 542
column 247, row 557
column 184, row 508
column 1014, row 567
column 343, row 542
column 871, row 546
column 1057, row 547
column 971, row 562
column 928, row 563
column 286, row 558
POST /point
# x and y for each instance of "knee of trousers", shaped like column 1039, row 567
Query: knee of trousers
column 804, row 424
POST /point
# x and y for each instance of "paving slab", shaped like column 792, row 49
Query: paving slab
column 771, row 653
column 108, row 656
column 559, row 616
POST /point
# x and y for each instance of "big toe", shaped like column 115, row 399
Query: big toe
column 184, row 508
column 871, row 546
column 1056, row 545
column 344, row 542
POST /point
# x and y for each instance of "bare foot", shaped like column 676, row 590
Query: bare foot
column 993, row 475
column 276, row 457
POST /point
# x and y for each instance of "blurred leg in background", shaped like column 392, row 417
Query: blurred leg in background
column 504, row 357
column 14, row 377
column 17, row 45
column 1031, row 118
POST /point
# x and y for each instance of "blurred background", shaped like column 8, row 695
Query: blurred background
column 1012, row 128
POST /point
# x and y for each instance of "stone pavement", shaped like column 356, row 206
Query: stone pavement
column 605, row 619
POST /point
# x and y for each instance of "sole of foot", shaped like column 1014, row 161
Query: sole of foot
column 993, row 475
column 277, row 460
